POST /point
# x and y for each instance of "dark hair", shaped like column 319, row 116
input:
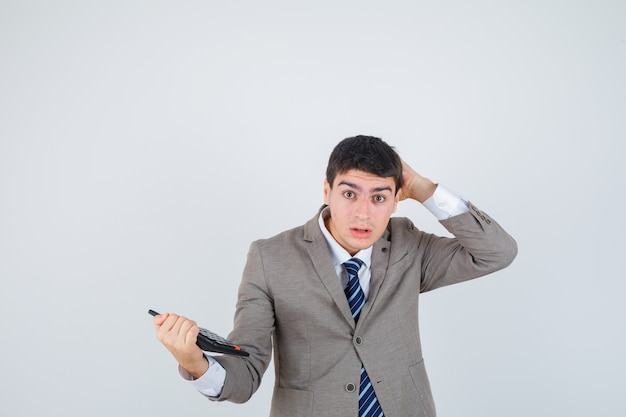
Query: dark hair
column 365, row 153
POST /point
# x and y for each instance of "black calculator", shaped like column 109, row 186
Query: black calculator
column 211, row 342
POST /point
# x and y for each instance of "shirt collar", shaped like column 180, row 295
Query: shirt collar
column 338, row 254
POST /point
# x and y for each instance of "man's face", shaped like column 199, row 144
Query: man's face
column 360, row 207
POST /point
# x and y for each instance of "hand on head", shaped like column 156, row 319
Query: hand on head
column 415, row 186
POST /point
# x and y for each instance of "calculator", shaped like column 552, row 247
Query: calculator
column 211, row 342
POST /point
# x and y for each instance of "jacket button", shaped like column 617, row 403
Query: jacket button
column 358, row 341
column 350, row 387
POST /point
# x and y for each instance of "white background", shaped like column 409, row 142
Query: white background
column 145, row 144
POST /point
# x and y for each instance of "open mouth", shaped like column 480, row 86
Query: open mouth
column 360, row 233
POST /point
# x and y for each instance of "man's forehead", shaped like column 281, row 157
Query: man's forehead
column 364, row 180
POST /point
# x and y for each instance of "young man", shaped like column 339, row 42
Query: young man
column 336, row 299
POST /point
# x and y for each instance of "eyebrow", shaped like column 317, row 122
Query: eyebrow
column 372, row 190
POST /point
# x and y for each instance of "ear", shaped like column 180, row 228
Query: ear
column 326, row 192
column 396, row 199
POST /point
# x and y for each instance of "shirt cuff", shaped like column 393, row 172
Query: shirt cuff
column 209, row 384
column 444, row 204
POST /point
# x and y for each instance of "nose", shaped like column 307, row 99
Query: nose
column 363, row 209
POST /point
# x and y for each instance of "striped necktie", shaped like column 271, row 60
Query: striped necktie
column 368, row 403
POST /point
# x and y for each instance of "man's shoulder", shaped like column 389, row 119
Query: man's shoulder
column 284, row 235
column 302, row 232
column 399, row 225
column 402, row 231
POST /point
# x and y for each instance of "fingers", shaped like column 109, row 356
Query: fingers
column 415, row 186
column 159, row 319
column 177, row 333
column 408, row 174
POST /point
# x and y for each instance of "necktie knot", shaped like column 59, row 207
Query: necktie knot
column 352, row 266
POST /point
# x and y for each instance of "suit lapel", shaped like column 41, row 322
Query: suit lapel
column 380, row 261
column 320, row 256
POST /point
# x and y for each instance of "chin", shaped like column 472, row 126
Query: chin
column 362, row 245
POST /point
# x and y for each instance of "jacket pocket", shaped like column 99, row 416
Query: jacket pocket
column 420, row 379
column 292, row 403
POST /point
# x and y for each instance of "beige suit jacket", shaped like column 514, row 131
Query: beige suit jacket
column 291, row 303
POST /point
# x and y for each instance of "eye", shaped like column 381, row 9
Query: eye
column 348, row 194
column 379, row 198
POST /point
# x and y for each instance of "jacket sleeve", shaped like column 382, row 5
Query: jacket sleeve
column 253, row 329
column 480, row 246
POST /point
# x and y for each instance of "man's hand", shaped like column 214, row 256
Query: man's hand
column 414, row 185
column 179, row 335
